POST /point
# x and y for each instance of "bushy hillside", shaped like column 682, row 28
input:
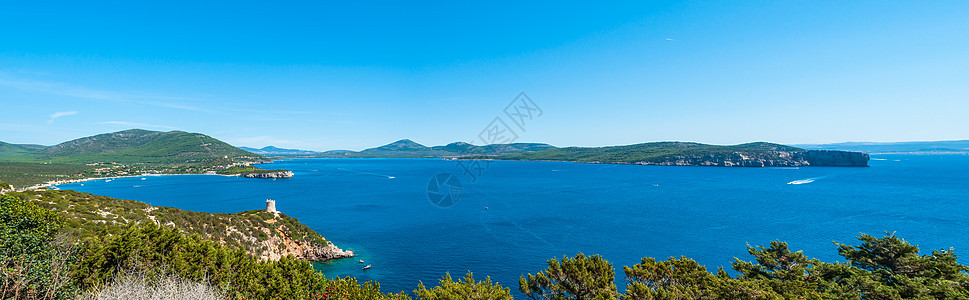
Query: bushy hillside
column 262, row 234
column 40, row 260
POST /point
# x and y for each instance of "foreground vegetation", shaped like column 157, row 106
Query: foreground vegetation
column 39, row 261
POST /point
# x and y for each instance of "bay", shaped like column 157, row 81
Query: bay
column 510, row 217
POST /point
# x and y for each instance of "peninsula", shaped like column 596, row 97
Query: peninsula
column 759, row 154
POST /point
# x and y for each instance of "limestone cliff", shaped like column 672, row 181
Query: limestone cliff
column 282, row 241
column 280, row 174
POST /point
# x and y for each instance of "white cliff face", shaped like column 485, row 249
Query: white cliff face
column 281, row 244
column 280, row 174
column 768, row 159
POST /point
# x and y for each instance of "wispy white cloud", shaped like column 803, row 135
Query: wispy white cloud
column 60, row 114
column 135, row 124
column 64, row 89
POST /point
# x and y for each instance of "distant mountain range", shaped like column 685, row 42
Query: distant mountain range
column 896, row 148
column 129, row 146
column 408, row 149
column 270, row 150
column 660, row 153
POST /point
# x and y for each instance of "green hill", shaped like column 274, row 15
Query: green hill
column 143, row 146
column 129, row 146
column 758, row 154
column 6, row 148
column 15, row 152
column 126, row 152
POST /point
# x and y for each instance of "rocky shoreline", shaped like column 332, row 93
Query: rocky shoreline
column 279, row 174
column 285, row 245
column 59, row 182
column 816, row 158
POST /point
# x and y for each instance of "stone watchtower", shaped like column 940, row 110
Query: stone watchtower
column 271, row 205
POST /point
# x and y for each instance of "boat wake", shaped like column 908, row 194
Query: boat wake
column 367, row 173
column 805, row 181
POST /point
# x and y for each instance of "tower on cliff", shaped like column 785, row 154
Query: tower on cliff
column 271, row 205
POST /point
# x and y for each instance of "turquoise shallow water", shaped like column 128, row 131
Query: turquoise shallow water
column 540, row 210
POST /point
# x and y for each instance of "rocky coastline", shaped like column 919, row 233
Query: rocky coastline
column 54, row 183
column 816, row 158
column 282, row 245
column 279, row 174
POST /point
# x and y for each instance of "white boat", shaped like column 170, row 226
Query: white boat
column 367, row 267
column 361, row 261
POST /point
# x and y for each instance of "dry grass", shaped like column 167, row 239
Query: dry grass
column 138, row 286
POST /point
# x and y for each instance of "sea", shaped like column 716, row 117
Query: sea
column 413, row 220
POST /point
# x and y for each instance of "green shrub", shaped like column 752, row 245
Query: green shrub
column 35, row 262
column 463, row 289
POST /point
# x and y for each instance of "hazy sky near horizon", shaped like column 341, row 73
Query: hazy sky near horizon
column 325, row 76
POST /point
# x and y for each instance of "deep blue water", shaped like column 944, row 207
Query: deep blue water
column 542, row 210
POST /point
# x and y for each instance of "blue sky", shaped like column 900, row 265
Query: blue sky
column 351, row 76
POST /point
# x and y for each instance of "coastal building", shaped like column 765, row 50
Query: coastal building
column 271, row 205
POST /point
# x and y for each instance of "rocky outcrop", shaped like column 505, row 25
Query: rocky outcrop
column 325, row 253
column 282, row 244
column 280, row 174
